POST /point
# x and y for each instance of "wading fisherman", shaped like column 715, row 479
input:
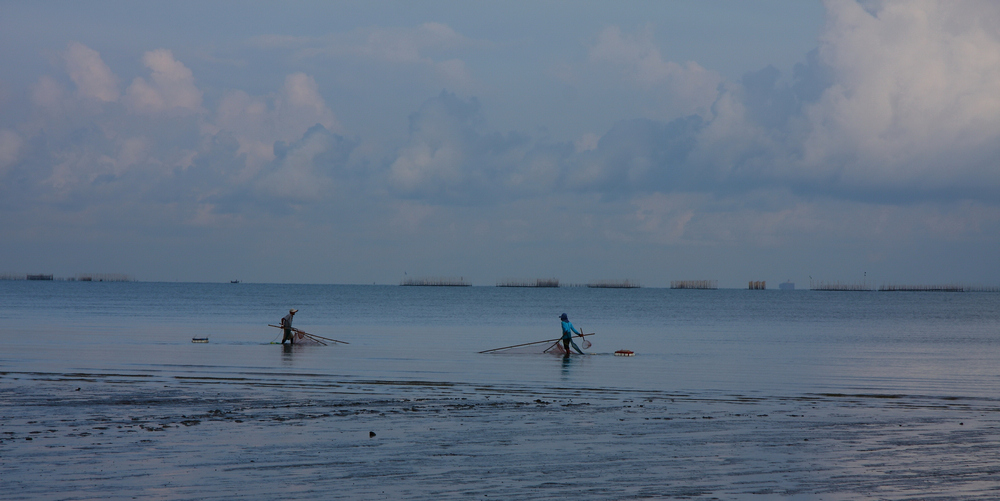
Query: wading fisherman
column 286, row 325
column 567, row 334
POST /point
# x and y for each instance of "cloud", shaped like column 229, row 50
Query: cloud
column 681, row 89
column 421, row 47
column 157, row 152
column 450, row 158
column 586, row 142
column 899, row 103
column 299, row 102
column 915, row 101
column 307, row 170
column 399, row 45
column 258, row 122
column 307, row 175
column 773, row 218
column 638, row 155
column 887, row 131
column 171, row 86
column 404, row 45
column 442, row 133
column 10, row 146
column 47, row 93
column 93, row 78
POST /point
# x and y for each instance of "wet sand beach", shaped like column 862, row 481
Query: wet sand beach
column 252, row 435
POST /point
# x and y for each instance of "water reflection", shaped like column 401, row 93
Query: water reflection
column 286, row 354
column 567, row 360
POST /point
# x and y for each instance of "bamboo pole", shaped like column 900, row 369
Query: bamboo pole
column 529, row 344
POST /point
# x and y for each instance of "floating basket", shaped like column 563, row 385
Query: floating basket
column 624, row 353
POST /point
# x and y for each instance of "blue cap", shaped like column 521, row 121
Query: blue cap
column 563, row 317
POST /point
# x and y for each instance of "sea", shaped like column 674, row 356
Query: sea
column 730, row 394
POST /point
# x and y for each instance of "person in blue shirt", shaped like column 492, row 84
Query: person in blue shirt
column 567, row 334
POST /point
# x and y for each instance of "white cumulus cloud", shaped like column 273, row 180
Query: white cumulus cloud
column 258, row 122
column 916, row 95
column 93, row 78
column 171, row 86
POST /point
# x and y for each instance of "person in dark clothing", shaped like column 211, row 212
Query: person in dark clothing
column 286, row 324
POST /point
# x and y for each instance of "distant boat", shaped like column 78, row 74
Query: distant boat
column 199, row 340
column 234, row 281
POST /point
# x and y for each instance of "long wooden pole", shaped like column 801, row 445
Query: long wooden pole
column 529, row 344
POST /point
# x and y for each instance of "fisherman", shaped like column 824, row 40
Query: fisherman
column 286, row 324
column 567, row 334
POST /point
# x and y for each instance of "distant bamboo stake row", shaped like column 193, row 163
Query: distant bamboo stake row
column 694, row 284
column 614, row 284
column 104, row 277
column 87, row 277
column 436, row 282
column 937, row 288
column 838, row 286
column 538, row 282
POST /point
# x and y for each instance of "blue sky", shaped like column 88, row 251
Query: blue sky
column 353, row 142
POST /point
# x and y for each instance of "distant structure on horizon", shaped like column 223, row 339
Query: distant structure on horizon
column 89, row 277
column 104, row 277
column 786, row 286
column 821, row 285
column 936, row 288
column 614, row 284
column 694, row 284
column 436, row 282
column 538, row 282
column 757, row 285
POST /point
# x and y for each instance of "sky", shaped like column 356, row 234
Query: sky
column 370, row 142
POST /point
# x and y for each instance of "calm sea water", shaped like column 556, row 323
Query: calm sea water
column 732, row 394
column 738, row 340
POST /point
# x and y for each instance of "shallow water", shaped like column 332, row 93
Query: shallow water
column 732, row 394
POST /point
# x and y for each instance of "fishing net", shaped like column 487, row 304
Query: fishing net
column 558, row 349
column 300, row 336
column 303, row 338
column 550, row 346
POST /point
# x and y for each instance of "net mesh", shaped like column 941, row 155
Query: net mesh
column 558, row 349
column 553, row 346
